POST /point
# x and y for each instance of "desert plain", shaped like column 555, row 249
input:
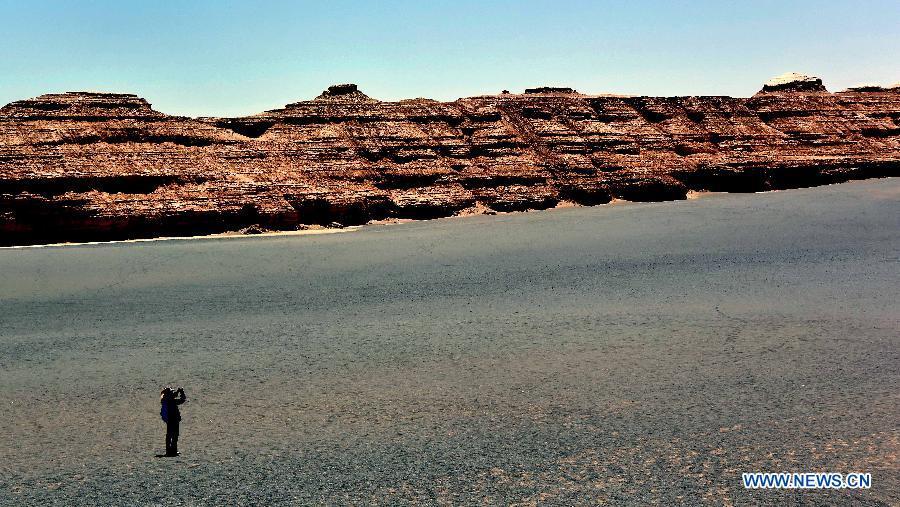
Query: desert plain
column 645, row 353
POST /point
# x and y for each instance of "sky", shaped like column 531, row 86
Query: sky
column 223, row 58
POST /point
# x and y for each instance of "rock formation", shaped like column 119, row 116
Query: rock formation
column 793, row 82
column 551, row 89
column 344, row 93
column 92, row 166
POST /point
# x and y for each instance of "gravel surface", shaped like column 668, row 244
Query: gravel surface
column 630, row 354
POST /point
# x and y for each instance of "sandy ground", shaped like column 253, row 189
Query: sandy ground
column 628, row 354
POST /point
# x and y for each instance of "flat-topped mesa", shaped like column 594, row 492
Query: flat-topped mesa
column 342, row 89
column 551, row 90
column 873, row 88
column 347, row 92
column 793, row 82
column 80, row 105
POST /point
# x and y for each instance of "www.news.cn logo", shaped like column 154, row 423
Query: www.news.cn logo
column 809, row 480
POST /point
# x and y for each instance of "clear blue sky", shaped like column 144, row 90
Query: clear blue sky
column 231, row 58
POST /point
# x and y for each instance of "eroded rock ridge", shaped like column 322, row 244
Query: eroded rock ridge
column 95, row 166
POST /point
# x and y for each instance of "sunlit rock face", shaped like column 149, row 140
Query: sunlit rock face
column 88, row 166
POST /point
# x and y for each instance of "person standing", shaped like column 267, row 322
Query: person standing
column 169, row 400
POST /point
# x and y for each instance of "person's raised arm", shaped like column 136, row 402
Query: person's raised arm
column 181, row 397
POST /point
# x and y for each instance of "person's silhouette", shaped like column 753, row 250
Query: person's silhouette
column 169, row 400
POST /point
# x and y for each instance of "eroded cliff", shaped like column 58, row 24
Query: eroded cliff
column 92, row 166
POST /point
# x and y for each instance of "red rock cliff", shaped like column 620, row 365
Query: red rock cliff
column 88, row 166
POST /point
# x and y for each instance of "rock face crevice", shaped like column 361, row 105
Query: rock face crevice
column 92, row 166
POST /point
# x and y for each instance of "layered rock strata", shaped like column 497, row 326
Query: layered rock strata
column 99, row 166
